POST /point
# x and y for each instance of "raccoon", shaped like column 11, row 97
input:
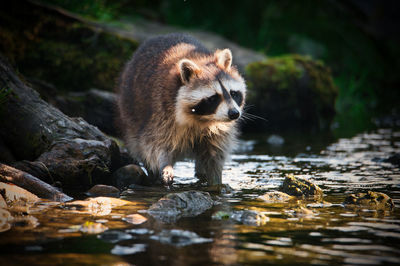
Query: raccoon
column 177, row 100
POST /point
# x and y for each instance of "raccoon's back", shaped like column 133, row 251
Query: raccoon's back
column 150, row 81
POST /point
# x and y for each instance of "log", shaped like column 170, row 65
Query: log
column 31, row 183
column 70, row 150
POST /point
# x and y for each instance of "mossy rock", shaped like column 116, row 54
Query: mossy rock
column 301, row 188
column 372, row 200
column 48, row 45
column 291, row 91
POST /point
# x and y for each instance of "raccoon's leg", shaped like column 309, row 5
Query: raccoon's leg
column 165, row 165
column 208, row 167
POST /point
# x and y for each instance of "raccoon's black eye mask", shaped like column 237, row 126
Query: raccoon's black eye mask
column 237, row 96
column 207, row 106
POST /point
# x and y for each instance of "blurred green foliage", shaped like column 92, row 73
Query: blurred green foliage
column 64, row 52
column 291, row 88
column 364, row 63
column 354, row 38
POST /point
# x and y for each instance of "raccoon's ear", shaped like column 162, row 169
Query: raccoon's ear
column 224, row 58
column 187, row 70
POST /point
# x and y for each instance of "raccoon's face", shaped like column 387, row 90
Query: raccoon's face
column 210, row 94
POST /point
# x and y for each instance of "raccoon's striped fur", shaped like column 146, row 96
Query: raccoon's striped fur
column 178, row 100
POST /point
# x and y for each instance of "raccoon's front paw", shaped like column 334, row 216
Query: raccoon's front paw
column 167, row 175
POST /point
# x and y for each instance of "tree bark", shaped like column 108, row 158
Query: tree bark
column 70, row 150
column 31, row 183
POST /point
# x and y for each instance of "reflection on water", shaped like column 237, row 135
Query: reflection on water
column 295, row 232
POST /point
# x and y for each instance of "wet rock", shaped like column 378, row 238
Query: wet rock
column 276, row 196
column 72, row 151
column 301, row 188
column 247, row 217
column 140, row 231
column 135, row 219
column 275, row 140
column 93, row 228
column 179, row 238
column 81, row 161
column 302, row 212
column 127, row 175
column 114, row 236
column 220, row 188
column 99, row 206
column 103, row 190
column 128, row 250
column 250, row 217
column 176, row 205
column 394, row 159
column 12, row 193
column 95, row 106
column 323, row 204
column 372, row 200
column 25, row 222
column 291, row 91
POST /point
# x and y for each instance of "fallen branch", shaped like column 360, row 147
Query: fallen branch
column 31, row 183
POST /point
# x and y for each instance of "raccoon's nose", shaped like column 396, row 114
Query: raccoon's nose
column 233, row 114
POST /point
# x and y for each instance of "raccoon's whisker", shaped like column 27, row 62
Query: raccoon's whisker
column 245, row 117
column 253, row 117
column 247, row 106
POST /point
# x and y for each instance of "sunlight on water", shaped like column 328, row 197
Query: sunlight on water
column 299, row 231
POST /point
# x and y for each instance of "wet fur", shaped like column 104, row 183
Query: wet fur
column 154, row 107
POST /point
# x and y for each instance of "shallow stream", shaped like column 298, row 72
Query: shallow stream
column 327, row 233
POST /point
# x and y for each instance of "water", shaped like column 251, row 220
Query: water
column 329, row 233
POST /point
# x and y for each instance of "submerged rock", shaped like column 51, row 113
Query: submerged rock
column 179, row 238
column 394, row 159
column 373, row 200
column 114, row 236
column 303, row 212
column 301, row 188
column 276, row 196
column 103, row 190
column 135, row 218
column 92, row 228
column 99, row 206
column 250, row 217
column 176, row 205
column 276, row 140
column 291, row 91
column 128, row 250
column 247, row 217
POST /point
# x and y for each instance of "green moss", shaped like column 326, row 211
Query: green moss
column 374, row 200
column 292, row 89
column 65, row 52
column 281, row 71
column 300, row 187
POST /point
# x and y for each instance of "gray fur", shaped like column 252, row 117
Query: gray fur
column 155, row 117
